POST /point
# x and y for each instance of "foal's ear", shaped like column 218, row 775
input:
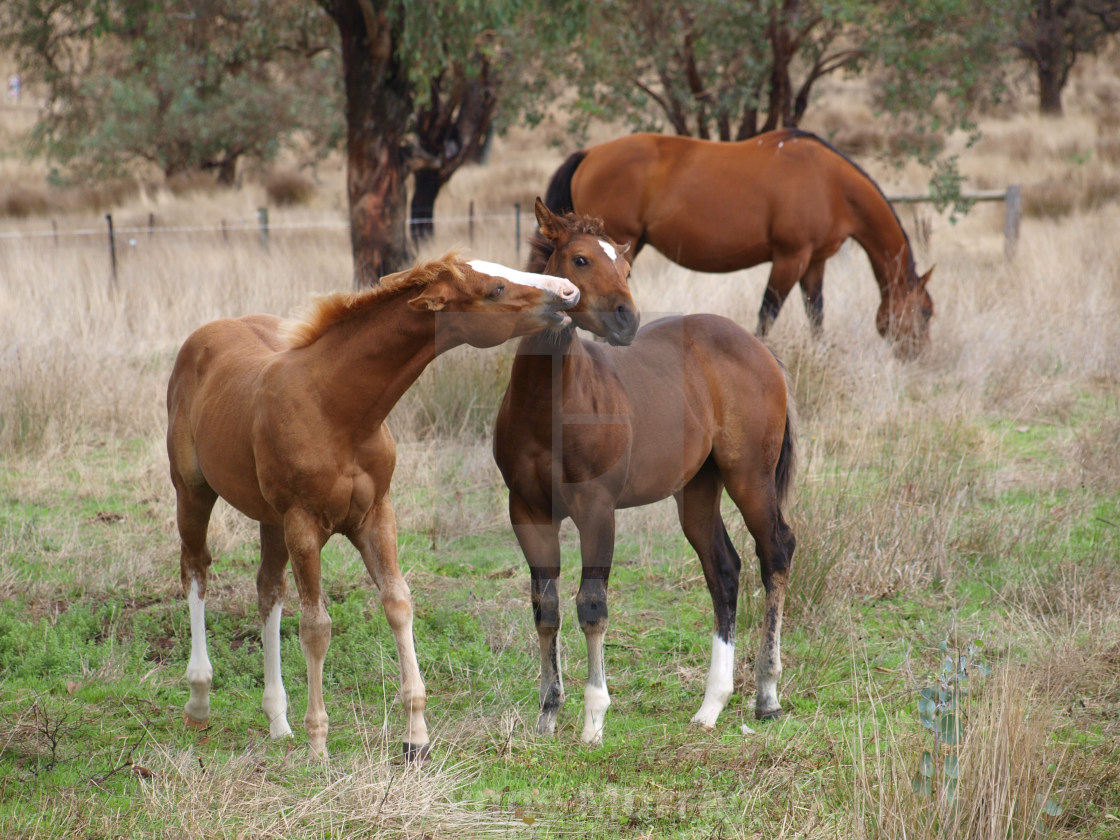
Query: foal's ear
column 546, row 219
column 924, row 279
column 428, row 301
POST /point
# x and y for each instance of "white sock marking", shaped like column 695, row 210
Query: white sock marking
column 596, row 700
column 199, row 672
column 274, row 700
column 721, row 679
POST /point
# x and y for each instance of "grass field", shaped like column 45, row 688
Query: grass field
column 952, row 637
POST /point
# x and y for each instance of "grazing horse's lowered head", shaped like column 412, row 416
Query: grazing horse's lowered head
column 579, row 249
column 903, row 317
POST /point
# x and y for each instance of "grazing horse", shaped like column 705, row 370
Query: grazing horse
column 693, row 405
column 286, row 422
column 785, row 196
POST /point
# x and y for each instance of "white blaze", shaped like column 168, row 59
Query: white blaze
column 609, row 249
column 556, row 285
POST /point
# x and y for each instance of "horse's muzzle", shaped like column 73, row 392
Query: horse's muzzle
column 622, row 325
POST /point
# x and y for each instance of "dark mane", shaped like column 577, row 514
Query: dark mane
column 327, row 310
column 541, row 248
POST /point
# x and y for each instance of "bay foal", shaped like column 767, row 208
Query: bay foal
column 286, row 422
column 692, row 406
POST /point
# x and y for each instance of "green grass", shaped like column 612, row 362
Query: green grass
column 93, row 648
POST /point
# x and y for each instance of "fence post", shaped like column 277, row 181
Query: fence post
column 470, row 221
column 151, row 224
column 112, row 249
column 1013, row 210
column 262, row 221
column 517, row 227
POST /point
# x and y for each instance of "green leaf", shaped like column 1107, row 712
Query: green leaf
column 926, row 710
column 948, row 728
column 925, row 764
column 952, row 767
column 922, row 786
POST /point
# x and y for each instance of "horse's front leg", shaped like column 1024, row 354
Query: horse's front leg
column 304, row 541
column 786, row 270
column 538, row 536
column 596, row 538
column 377, row 543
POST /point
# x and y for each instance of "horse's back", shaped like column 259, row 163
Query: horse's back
column 718, row 206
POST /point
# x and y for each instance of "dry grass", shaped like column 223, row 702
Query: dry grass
column 900, row 462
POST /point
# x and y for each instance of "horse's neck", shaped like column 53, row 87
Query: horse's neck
column 888, row 249
column 543, row 361
column 365, row 364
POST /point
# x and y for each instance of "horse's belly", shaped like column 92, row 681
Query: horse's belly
column 702, row 244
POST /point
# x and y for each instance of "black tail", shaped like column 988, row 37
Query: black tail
column 787, row 456
column 558, row 197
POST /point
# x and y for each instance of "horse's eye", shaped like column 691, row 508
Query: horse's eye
column 496, row 292
column 580, row 261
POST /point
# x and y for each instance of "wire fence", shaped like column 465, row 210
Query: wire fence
column 264, row 228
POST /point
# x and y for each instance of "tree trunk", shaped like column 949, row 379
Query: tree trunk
column 378, row 109
column 427, row 184
column 1050, row 82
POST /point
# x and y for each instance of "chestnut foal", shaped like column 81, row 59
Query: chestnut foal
column 286, row 422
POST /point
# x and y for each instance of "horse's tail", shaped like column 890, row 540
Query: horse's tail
column 558, row 197
column 787, row 456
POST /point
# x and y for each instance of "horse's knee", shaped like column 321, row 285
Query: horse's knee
column 315, row 631
column 546, row 604
column 396, row 600
column 591, row 604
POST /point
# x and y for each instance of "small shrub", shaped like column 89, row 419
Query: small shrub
column 185, row 183
column 1099, row 192
column 19, row 201
column 1050, row 199
column 1108, row 147
column 286, row 188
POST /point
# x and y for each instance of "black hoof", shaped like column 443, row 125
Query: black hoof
column 772, row 715
column 416, row 753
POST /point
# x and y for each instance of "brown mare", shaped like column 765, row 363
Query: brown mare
column 285, row 421
column 786, row 197
column 693, row 405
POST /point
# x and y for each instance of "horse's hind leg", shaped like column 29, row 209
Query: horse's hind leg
column 304, row 540
column 538, row 536
column 756, row 498
column 194, row 503
column 698, row 510
column 270, row 596
column 812, row 291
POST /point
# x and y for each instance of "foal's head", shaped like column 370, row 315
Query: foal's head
column 483, row 303
column 579, row 249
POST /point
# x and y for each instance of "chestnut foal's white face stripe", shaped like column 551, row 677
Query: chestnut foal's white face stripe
column 609, row 249
column 557, row 285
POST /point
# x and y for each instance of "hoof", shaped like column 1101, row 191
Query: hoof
column 191, row 723
column 417, row 753
column 702, row 724
column 773, row 714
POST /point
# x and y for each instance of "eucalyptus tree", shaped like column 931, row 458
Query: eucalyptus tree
column 729, row 70
column 185, row 85
column 1053, row 34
